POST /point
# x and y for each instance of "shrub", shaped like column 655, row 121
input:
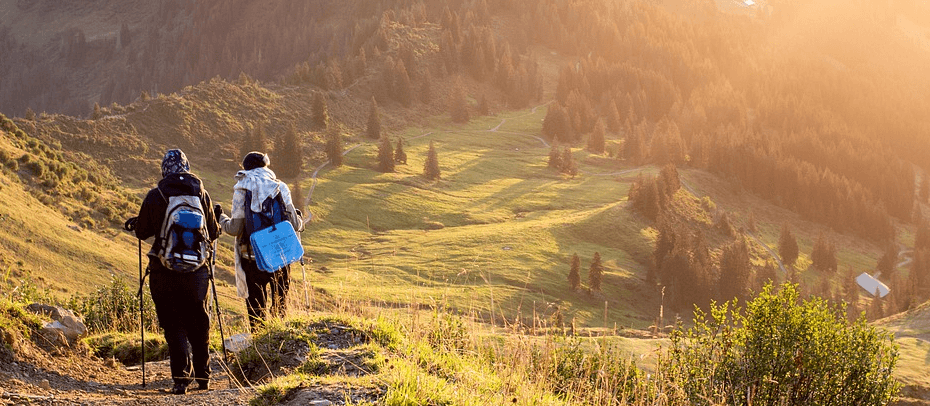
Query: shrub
column 114, row 307
column 781, row 351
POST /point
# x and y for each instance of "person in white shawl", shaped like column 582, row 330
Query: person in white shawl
column 251, row 282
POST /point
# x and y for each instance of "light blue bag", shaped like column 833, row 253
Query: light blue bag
column 276, row 247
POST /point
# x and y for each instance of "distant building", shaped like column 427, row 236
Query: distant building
column 749, row 3
column 870, row 284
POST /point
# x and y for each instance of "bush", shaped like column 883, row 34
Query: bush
column 781, row 351
column 114, row 307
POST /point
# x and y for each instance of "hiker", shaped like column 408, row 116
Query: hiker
column 179, row 279
column 255, row 184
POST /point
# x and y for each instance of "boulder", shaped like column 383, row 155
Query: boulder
column 63, row 320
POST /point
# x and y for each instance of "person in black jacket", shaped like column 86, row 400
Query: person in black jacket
column 180, row 298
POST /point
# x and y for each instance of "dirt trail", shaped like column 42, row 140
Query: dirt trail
column 77, row 379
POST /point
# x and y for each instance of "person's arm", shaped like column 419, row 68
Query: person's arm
column 235, row 224
column 211, row 219
column 151, row 214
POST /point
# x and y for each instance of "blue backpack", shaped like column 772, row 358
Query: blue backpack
column 272, row 239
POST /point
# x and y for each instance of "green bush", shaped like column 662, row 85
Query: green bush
column 115, row 307
column 127, row 348
column 781, row 351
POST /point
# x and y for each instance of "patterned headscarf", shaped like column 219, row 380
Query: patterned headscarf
column 174, row 162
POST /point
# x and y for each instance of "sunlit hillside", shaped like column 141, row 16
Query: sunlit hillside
column 603, row 168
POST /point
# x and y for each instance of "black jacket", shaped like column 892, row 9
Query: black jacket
column 152, row 212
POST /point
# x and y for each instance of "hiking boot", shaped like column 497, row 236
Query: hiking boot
column 203, row 384
column 179, row 388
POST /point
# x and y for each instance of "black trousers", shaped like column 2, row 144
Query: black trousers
column 181, row 303
column 262, row 286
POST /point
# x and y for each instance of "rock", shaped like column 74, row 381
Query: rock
column 238, row 342
column 45, row 384
column 64, row 320
column 53, row 335
column 320, row 402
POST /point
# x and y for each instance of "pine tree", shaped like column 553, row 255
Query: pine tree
column 823, row 255
column 851, row 295
column 320, row 110
column 734, row 271
column 259, row 139
column 787, row 246
column 596, row 142
column 595, row 273
column 96, row 114
column 403, row 87
column 385, row 155
column 426, row 87
column 888, row 262
column 876, row 310
column 484, row 108
column 297, row 196
column 431, row 166
column 288, row 155
column 246, row 144
column 334, row 147
column 555, row 157
column 574, row 273
column 458, row 103
column 568, row 162
column 400, row 156
column 374, row 121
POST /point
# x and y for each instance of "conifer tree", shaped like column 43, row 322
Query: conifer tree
column 374, row 121
column 458, row 103
column 555, row 157
column 595, row 273
column 596, row 142
column 403, row 87
column 259, row 138
column 297, row 196
column 876, row 310
column 288, row 155
column 787, row 246
column 334, row 147
column 851, row 295
column 574, row 273
column 320, row 111
column 766, row 275
column 246, row 144
column 97, row 114
column 888, row 262
column 484, row 108
column 385, row 155
column 823, row 254
column 400, row 156
column 568, row 162
column 431, row 166
column 734, row 271
column 426, row 87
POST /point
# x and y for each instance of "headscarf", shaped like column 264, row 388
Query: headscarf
column 174, row 162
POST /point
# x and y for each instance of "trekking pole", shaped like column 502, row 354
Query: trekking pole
column 216, row 302
column 130, row 225
column 142, row 312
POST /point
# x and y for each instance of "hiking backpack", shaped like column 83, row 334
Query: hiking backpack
column 184, row 238
column 271, row 222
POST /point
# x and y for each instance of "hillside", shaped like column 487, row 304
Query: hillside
column 691, row 138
